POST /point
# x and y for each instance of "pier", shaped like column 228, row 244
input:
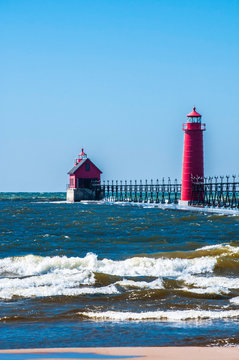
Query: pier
column 147, row 192
column 217, row 191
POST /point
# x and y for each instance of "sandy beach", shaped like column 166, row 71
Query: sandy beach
column 150, row 353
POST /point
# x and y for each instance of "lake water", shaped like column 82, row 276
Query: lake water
column 112, row 275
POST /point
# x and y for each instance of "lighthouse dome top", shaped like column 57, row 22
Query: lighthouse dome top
column 194, row 113
column 82, row 152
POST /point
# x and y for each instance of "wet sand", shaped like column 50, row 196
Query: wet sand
column 162, row 353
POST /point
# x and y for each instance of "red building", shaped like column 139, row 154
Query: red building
column 83, row 176
column 192, row 154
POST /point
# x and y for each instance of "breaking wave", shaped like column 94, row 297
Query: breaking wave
column 178, row 315
column 36, row 276
column 30, row 265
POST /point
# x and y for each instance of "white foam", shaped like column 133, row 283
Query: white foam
column 69, row 278
column 137, row 266
column 33, row 265
column 178, row 315
column 156, row 284
column 143, row 266
column 209, row 284
column 59, row 282
column 225, row 247
column 55, row 290
column 201, row 290
column 235, row 300
column 61, row 275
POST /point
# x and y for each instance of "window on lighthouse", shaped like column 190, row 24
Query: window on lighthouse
column 194, row 119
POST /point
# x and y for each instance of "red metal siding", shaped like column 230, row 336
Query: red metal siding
column 92, row 173
column 192, row 157
column 82, row 173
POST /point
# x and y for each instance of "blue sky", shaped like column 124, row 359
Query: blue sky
column 119, row 78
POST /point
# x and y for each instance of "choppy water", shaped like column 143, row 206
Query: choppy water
column 110, row 275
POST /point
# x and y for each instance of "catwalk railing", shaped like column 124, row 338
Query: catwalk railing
column 214, row 191
column 222, row 191
column 152, row 192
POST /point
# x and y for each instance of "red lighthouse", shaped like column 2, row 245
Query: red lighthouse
column 83, row 178
column 192, row 154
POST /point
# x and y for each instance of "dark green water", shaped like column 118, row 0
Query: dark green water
column 109, row 275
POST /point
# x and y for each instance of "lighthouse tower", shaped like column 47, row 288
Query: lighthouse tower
column 192, row 154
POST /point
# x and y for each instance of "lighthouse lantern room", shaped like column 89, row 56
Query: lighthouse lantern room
column 84, row 177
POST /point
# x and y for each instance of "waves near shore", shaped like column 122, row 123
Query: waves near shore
column 109, row 274
column 209, row 272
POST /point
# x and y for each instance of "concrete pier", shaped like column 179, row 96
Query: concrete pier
column 78, row 194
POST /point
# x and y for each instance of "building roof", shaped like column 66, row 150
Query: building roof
column 194, row 113
column 76, row 167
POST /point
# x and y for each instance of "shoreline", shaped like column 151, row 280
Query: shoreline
column 150, row 353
